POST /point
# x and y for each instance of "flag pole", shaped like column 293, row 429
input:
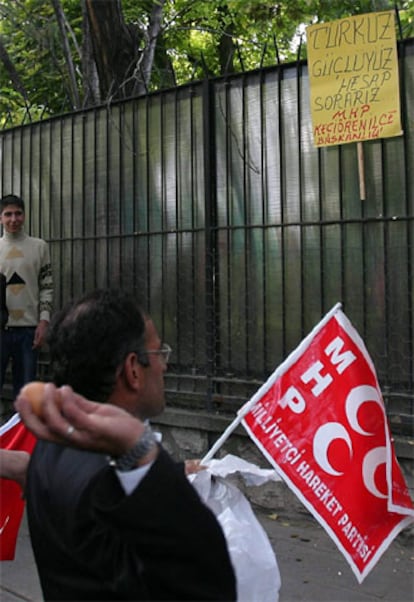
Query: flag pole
column 240, row 415
column 225, row 435
column 361, row 171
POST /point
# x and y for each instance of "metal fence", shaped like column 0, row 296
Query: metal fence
column 212, row 203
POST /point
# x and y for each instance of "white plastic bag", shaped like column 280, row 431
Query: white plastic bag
column 253, row 558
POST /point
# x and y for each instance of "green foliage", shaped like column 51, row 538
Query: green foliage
column 199, row 38
column 30, row 34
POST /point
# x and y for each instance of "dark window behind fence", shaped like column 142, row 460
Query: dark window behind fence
column 238, row 235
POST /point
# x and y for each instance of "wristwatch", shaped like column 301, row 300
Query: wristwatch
column 129, row 459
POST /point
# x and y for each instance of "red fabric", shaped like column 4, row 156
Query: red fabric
column 14, row 436
column 320, row 420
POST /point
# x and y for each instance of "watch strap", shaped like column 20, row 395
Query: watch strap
column 128, row 460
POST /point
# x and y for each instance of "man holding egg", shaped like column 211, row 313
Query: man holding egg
column 111, row 515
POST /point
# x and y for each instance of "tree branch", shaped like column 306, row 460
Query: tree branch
column 73, row 86
column 11, row 70
column 152, row 37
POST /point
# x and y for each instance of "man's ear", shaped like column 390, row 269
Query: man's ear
column 133, row 372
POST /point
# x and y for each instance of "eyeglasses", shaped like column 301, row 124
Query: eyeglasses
column 165, row 350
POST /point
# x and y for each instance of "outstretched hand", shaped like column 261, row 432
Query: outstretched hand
column 193, row 466
column 70, row 419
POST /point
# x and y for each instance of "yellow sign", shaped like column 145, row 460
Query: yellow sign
column 354, row 83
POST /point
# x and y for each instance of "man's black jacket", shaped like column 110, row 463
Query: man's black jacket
column 93, row 542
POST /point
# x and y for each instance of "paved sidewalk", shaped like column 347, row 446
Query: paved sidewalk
column 18, row 578
column 312, row 568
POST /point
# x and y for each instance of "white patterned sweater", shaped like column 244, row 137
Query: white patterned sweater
column 25, row 261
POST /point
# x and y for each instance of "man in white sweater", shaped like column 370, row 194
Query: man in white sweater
column 25, row 261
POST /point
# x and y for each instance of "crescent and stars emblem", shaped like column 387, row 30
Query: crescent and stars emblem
column 332, row 431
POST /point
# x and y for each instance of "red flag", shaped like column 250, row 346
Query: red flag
column 320, row 420
column 14, row 436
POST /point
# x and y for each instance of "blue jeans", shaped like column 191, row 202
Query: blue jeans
column 16, row 345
